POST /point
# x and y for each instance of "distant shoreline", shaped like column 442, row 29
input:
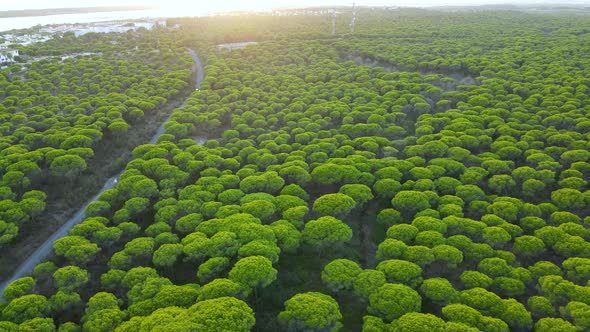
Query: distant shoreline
column 61, row 11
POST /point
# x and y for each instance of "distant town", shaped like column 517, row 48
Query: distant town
column 10, row 40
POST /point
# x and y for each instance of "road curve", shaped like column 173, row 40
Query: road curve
column 200, row 76
column 27, row 266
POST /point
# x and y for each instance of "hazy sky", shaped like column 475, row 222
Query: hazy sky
column 224, row 5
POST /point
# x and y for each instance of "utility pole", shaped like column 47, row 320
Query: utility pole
column 333, row 22
column 353, row 18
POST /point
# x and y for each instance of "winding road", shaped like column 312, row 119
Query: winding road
column 27, row 266
column 200, row 76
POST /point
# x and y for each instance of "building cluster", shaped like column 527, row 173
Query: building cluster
column 7, row 40
column 7, row 56
column 101, row 27
column 234, row 46
column 22, row 39
column 106, row 27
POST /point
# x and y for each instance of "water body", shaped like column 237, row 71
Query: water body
column 175, row 8
column 46, row 248
column 31, row 21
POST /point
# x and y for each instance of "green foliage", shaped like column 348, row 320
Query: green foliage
column 473, row 279
column 263, row 248
column 70, row 278
column 462, row 313
column 390, row 249
column 269, row 182
column 488, row 303
column 188, row 223
column 167, row 254
column 460, row 136
column 439, row 291
column 25, row 307
column 415, row 321
column 577, row 269
column 38, row 324
column 68, row 166
column 253, row 272
column 64, row 301
column 361, row 193
column 333, row 204
column 496, row 236
column 18, row 288
column 340, row 274
column 212, row 268
column 579, row 312
column 408, row 202
column 392, row 301
column 368, row 281
column 569, row 199
column 219, row 314
column 261, row 209
column 328, row 174
column 509, row 286
column 528, row 246
column 389, row 217
column 540, row 306
column 221, row 287
column 386, row 188
column 311, row 311
column 325, row 232
column 402, row 232
column 400, row 271
column 77, row 249
column 288, row 237
column 549, row 324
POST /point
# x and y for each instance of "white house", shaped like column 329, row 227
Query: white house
column 234, row 46
column 7, row 55
column 146, row 25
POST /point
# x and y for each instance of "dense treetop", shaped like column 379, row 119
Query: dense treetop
column 54, row 112
column 426, row 173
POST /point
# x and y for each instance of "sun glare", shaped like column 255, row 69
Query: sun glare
column 194, row 8
column 178, row 6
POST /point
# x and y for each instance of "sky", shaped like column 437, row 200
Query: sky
column 228, row 5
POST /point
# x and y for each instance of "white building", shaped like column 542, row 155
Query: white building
column 234, row 46
column 7, row 55
column 4, row 59
column 145, row 25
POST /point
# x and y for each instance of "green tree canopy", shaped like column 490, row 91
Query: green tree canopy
column 392, row 301
column 311, row 311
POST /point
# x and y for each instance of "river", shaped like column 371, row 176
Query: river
column 27, row 266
